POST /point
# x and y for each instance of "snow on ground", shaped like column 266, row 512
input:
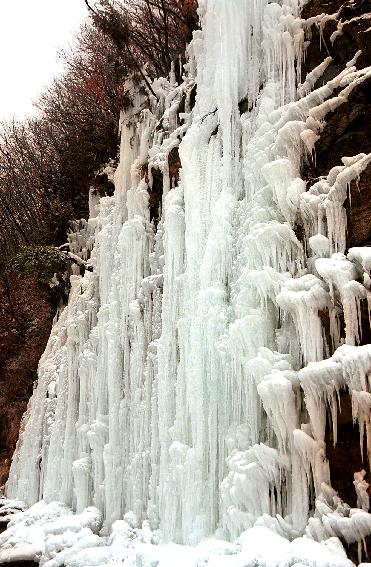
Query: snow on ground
column 52, row 535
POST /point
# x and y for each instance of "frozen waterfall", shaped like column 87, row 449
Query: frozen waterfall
column 188, row 381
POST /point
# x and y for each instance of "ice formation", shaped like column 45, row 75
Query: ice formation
column 184, row 390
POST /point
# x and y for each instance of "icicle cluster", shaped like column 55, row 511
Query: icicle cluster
column 187, row 382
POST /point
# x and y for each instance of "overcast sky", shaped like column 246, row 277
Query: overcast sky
column 31, row 32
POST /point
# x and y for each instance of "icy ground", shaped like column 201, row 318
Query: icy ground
column 54, row 536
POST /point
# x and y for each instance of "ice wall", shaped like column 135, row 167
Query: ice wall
column 188, row 380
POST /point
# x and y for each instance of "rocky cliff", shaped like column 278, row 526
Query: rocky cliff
column 347, row 133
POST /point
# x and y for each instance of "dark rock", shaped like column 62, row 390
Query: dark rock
column 353, row 8
column 243, row 106
column 192, row 96
column 3, row 525
column 359, row 211
column 347, row 132
column 103, row 186
column 23, row 564
column 345, row 457
column 316, row 7
column 181, row 107
column 174, row 166
column 155, row 196
column 355, row 35
column 156, row 191
column 359, row 552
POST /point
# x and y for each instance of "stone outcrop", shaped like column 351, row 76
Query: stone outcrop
column 347, row 133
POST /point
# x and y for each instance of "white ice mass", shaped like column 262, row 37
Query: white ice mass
column 180, row 410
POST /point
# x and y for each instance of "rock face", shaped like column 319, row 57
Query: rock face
column 348, row 129
column 347, row 133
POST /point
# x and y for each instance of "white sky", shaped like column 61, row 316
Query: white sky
column 31, row 33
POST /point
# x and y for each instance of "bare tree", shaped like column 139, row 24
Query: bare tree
column 48, row 162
